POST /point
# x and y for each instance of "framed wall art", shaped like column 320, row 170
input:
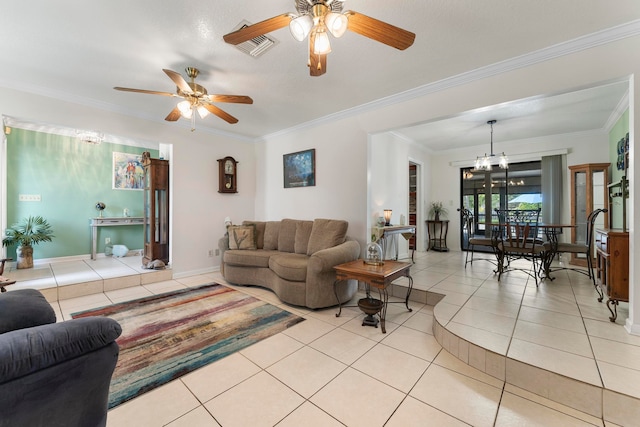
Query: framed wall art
column 300, row 169
column 128, row 173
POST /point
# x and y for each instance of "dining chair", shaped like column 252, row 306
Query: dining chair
column 585, row 248
column 472, row 240
column 519, row 240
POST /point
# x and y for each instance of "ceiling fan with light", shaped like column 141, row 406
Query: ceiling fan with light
column 315, row 19
column 195, row 98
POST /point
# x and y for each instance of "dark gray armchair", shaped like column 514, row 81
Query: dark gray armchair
column 53, row 374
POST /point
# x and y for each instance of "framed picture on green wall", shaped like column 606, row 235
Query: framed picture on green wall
column 128, row 173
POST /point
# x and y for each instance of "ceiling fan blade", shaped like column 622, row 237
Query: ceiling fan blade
column 222, row 114
column 317, row 61
column 255, row 30
column 150, row 92
column 179, row 81
column 173, row 115
column 237, row 99
column 380, row 31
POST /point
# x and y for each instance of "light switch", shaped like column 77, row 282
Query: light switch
column 29, row 198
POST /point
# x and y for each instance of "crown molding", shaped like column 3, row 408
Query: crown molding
column 599, row 38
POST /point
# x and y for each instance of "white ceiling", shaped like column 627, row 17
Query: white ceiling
column 78, row 51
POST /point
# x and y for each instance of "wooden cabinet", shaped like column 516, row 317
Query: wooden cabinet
column 588, row 192
column 413, row 187
column 612, row 267
column 156, row 209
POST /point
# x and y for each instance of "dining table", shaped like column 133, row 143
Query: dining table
column 551, row 231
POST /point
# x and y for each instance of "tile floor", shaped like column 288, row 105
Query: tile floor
column 454, row 363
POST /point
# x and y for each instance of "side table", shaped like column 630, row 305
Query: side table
column 437, row 235
column 376, row 276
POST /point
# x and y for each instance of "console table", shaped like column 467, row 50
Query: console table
column 437, row 235
column 109, row 222
column 383, row 233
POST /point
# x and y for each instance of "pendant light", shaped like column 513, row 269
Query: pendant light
column 484, row 163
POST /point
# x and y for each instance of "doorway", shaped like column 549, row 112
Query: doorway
column 413, row 203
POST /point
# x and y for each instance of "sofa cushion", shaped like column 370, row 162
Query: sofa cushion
column 242, row 236
column 287, row 235
column 271, row 231
column 259, row 258
column 326, row 233
column 24, row 308
column 303, row 232
column 260, row 225
column 291, row 267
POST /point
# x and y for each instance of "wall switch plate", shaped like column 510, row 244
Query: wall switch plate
column 29, row 198
column 211, row 252
column 107, row 240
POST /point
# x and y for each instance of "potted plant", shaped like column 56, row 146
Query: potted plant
column 437, row 209
column 26, row 233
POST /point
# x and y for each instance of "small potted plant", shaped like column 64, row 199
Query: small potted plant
column 437, row 209
column 26, row 233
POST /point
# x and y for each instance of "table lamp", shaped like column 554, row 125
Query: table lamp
column 387, row 217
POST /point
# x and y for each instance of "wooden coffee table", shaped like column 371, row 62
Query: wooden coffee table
column 376, row 276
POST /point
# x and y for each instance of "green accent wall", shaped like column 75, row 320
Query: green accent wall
column 70, row 177
column 618, row 132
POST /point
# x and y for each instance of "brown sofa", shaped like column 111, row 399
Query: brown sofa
column 293, row 258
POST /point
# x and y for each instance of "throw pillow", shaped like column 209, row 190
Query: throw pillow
column 287, row 235
column 326, row 233
column 260, row 225
column 303, row 232
column 271, row 231
column 242, row 236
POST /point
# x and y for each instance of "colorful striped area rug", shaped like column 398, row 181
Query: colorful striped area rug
column 169, row 335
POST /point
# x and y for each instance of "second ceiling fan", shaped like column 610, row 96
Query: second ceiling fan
column 195, row 98
column 315, row 19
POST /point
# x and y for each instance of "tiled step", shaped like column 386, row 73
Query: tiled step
column 70, row 279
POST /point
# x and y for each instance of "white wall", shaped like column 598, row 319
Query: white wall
column 341, row 176
column 389, row 183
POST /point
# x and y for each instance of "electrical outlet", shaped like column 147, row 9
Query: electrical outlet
column 107, row 240
column 211, row 252
column 217, row 252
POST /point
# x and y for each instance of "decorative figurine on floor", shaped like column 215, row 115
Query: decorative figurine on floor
column 156, row 264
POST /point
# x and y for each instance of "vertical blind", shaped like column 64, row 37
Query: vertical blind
column 551, row 183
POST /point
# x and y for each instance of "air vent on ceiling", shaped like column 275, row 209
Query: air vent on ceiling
column 257, row 46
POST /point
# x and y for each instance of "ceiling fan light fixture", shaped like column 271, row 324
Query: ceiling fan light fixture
column 300, row 27
column 336, row 23
column 185, row 109
column 202, row 111
column 321, row 44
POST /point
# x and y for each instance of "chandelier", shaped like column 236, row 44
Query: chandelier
column 484, row 163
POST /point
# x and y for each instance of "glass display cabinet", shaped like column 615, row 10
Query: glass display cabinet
column 589, row 191
column 156, row 209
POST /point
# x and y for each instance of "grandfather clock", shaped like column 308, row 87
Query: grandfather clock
column 156, row 209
